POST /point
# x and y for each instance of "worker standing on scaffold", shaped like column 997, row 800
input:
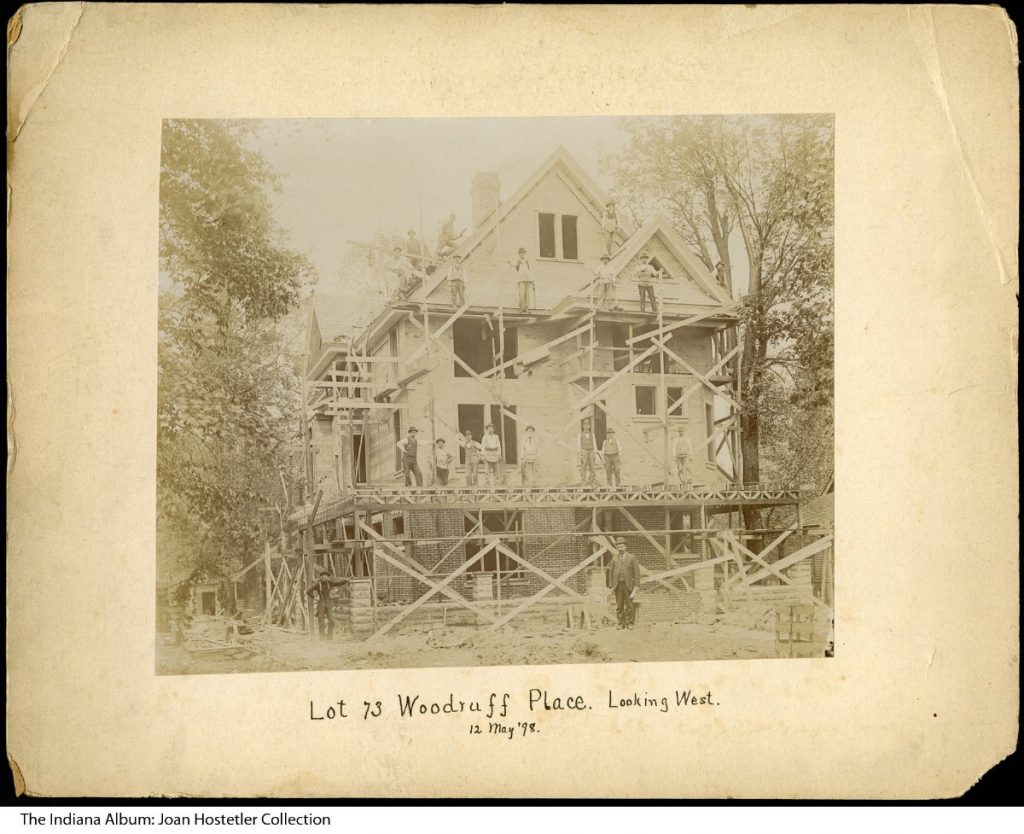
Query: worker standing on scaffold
column 457, row 281
column 524, row 273
column 529, row 458
column 473, row 450
column 410, row 465
column 646, row 275
column 587, row 447
column 492, row 456
column 610, row 453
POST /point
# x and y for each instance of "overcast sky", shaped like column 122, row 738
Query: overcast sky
column 347, row 179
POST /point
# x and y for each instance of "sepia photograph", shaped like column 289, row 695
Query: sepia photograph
column 458, row 392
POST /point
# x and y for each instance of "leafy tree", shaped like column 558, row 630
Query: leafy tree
column 228, row 366
column 769, row 180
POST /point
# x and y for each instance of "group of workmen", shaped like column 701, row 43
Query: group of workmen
column 489, row 451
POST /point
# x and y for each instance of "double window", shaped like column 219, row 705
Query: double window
column 647, row 405
column 557, row 236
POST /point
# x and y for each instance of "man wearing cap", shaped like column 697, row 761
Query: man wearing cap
column 492, row 455
column 529, row 457
column 413, row 248
column 442, row 461
column 524, row 273
column 623, row 576
column 410, row 465
column 610, row 452
column 604, row 284
column 401, row 268
column 646, row 275
column 610, row 225
column 473, row 450
column 682, row 451
column 321, row 590
column 457, row 281
column 586, row 445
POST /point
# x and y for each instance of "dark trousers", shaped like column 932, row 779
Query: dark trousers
column 647, row 291
column 325, row 619
column 412, row 467
column 611, row 470
column 441, row 476
column 624, row 605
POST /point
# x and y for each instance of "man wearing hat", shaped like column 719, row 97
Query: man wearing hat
column 410, row 464
column 646, row 275
column 473, row 450
column 682, row 451
column 457, row 281
column 610, row 452
column 586, row 446
column 442, row 461
column 529, row 457
column 623, row 576
column 401, row 268
column 492, row 456
column 321, row 591
column 610, row 225
column 524, row 273
column 604, row 284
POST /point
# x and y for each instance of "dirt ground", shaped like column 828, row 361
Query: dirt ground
column 435, row 646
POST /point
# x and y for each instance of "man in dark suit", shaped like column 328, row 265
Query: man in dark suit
column 623, row 576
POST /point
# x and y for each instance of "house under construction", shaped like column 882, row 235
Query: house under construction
column 489, row 555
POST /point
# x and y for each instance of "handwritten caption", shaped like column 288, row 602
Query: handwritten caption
column 494, row 713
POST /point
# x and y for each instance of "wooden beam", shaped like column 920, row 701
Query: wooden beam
column 422, row 349
column 797, row 556
column 777, row 571
column 435, row 587
column 668, row 328
column 596, row 393
column 543, row 592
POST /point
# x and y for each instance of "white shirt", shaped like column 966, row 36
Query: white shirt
column 492, row 448
column 605, row 274
column 522, row 267
column 681, row 447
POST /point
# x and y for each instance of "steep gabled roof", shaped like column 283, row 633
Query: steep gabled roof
column 660, row 226
column 594, row 199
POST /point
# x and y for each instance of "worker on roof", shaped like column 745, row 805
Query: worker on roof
column 623, row 579
column 402, row 270
column 442, row 462
column 610, row 452
column 491, row 446
column 410, row 464
column 586, row 445
column 473, row 450
column 321, row 591
column 457, row 275
column 610, row 225
column 413, row 247
column 604, row 284
column 447, row 239
column 524, row 275
column 646, row 275
column 529, row 457
column 682, row 451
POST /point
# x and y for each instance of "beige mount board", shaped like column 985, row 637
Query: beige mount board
column 920, row 699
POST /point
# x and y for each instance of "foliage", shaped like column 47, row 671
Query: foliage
column 228, row 383
column 769, row 182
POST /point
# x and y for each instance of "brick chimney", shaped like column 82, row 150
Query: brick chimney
column 485, row 194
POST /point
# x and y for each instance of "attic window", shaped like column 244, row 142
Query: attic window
column 557, row 236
